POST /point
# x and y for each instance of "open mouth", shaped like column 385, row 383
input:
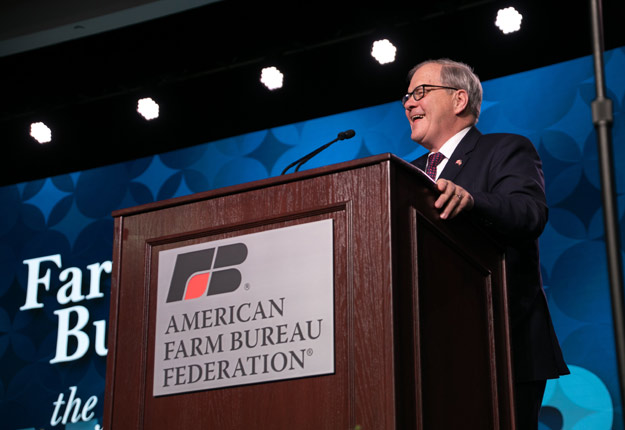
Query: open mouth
column 416, row 117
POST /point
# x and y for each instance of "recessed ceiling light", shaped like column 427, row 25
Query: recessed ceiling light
column 41, row 132
column 508, row 20
column 383, row 51
column 272, row 78
column 148, row 108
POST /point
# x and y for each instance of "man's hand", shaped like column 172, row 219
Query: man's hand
column 453, row 199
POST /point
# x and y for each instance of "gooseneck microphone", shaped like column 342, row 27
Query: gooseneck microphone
column 348, row 134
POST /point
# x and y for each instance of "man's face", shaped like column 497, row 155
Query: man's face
column 432, row 118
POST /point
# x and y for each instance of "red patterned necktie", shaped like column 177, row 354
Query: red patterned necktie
column 433, row 161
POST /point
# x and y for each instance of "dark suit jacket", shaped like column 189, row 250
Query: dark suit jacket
column 503, row 173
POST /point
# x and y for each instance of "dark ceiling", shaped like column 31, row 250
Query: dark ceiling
column 203, row 67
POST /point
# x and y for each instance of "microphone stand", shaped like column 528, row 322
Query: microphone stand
column 341, row 136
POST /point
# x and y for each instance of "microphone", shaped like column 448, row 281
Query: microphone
column 348, row 134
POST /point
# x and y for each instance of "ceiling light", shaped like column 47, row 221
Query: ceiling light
column 383, row 51
column 272, row 78
column 508, row 20
column 148, row 108
column 40, row 132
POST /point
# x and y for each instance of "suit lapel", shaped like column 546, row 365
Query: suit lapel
column 421, row 162
column 461, row 154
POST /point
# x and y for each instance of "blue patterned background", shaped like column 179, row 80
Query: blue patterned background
column 69, row 215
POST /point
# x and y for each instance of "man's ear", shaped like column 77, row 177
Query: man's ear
column 461, row 101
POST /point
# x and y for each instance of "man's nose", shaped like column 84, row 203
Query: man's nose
column 410, row 103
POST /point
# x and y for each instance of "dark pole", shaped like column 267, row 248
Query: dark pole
column 602, row 118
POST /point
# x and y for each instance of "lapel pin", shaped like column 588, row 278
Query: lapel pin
column 459, row 162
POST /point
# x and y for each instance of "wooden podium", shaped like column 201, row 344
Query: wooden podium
column 420, row 314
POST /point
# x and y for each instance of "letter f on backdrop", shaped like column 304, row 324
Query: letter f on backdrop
column 206, row 272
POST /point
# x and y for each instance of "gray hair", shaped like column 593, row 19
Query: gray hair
column 458, row 75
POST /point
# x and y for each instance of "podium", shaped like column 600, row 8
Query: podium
column 419, row 308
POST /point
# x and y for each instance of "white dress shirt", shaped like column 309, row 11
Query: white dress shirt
column 448, row 148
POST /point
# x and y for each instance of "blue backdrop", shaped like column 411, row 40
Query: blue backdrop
column 56, row 241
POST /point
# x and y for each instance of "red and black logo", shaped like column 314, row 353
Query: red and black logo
column 206, row 272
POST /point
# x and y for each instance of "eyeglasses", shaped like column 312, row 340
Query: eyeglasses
column 419, row 92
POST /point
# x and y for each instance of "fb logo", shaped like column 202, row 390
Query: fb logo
column 206, row 272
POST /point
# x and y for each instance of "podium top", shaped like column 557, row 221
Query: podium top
column 277, row 180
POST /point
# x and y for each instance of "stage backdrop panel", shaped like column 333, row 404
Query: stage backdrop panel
column 56, row 241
